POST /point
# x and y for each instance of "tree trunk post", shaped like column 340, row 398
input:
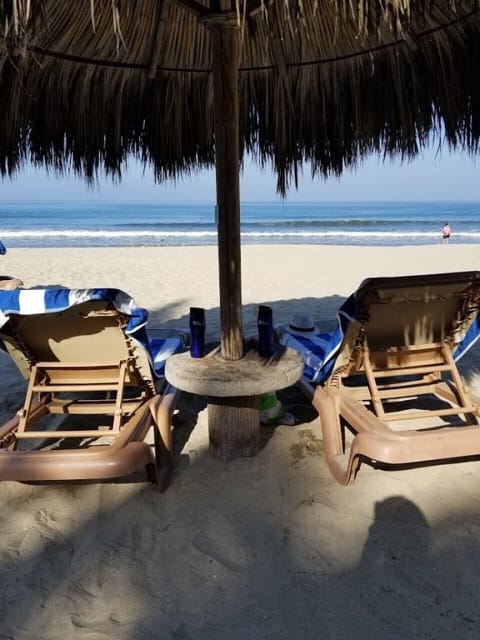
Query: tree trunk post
column 225, row 33
column 234, row 424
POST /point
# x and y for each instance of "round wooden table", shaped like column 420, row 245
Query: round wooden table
column 233, row 389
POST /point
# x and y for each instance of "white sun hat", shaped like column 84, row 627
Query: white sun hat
column 302, row 324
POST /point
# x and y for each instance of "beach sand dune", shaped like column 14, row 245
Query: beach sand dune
column 263, row 548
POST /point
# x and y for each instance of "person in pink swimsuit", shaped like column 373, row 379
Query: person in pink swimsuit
column 446, row 231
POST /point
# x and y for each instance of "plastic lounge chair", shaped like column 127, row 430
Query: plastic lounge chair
column 386, row 384
column 88, row 361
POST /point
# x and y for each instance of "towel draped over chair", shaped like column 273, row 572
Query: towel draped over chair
column 391, row 361
column 85, row 353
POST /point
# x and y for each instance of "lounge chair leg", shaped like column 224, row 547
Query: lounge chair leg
column 159, row 472
column 162, row 410
column 152, row 473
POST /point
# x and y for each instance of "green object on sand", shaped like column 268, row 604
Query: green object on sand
column 271, row 409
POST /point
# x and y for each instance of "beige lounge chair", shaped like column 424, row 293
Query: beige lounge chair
column 394, row 395
column 86, row 367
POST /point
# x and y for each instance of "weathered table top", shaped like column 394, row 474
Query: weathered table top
column 250, row 376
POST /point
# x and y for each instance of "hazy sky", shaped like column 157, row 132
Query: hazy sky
column 431, row 177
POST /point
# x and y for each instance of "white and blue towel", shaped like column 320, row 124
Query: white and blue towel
column 320, row 350
column 54, row 299
column 471, row 336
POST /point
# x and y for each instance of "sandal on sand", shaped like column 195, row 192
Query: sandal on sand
column 289, row 420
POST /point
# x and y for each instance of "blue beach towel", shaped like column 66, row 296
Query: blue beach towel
column 319, row 351
column 54, row 299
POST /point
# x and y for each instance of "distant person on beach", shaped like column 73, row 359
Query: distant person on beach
column 3, row 249
column 446, row 231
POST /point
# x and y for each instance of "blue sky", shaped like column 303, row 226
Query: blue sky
column 430, row 177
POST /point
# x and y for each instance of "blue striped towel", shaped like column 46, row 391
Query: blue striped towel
column 471, row 336
column 54, row 299
column 320, row 350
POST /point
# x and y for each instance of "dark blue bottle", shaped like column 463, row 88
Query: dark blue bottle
column 197, row 332
column 265, row 331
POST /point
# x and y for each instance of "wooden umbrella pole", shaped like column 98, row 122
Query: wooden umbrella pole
column 233, row 422
column 225, row 33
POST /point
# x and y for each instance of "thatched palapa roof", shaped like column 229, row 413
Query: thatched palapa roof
column 84, row 84
column 185, row 84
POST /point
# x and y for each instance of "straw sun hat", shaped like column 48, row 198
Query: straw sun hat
column 302, row 324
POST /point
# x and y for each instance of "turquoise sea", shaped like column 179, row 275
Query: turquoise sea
column 347, row 223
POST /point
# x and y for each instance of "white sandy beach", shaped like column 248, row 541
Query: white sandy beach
column 268, row 547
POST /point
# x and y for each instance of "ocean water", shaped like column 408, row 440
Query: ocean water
column 348, row 223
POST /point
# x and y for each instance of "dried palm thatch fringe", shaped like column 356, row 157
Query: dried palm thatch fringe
column 84, row 85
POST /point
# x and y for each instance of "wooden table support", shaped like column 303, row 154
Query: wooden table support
column 233, row 389
column 234, row 426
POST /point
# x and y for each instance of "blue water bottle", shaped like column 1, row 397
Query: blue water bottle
column 197, row 332
column 265, row 331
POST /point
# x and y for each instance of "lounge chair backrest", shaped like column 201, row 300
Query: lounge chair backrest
column 93, row 331
column 398, row 313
